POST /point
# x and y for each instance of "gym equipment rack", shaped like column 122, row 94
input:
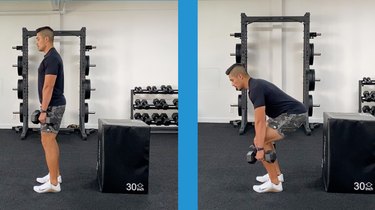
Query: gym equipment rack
column 308, row 56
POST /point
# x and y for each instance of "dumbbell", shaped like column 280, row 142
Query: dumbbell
column 163, row 104
column 144, row 104
column 35, row 118
column 148, row 88
column 156, row 103
column 164, row 117
column 372, row 111
column 163, row 89
column 175, row 102
column 366, row 96
column 175, row 117
column 157, row 119
column 366, row 80
column 269, row 156
column 137, row 89
column 372, row 96
column 169, row 89
column 146, row 118
column 138, row 116
column 154, row 89
column 137, row 103
column 366, row 109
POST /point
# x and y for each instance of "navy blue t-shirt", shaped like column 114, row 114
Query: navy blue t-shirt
column 276, row 101
column 52, row 64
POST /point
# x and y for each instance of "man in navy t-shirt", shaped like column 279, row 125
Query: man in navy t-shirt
column 52, row 105
column 285, row 114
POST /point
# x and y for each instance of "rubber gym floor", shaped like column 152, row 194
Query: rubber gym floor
column 21, row 161
column 226, row 179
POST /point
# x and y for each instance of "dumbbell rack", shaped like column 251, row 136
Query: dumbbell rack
column 173, row 127
column 308, row 58
column 361, row 100
column 23, row 68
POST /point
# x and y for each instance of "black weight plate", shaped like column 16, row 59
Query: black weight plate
column 311, row 57
column 87, row 88
column 21, row 112
column 20, row 88
column 311, row 78
column 239, row 105
column 87, row 66
column 310, row 105
column 238, row 53
column 19, row 65
column 86, row 109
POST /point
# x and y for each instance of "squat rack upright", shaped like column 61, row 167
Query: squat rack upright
column 84, row 64
column 307, row 53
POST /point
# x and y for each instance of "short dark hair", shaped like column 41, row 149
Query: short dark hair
column 44, row 28
column 46, row 31
column 227, row 72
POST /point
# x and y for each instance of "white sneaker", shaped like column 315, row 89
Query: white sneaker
column 45, row 179
column 266, row 178
column 47, row 187
column 268, row 187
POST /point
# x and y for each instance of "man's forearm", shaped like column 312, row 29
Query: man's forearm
column 47, row 95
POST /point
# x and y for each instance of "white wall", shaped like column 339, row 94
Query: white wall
column 346, row 46
column 136, row 46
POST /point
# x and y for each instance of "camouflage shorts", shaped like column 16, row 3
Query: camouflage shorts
column 287, row 122
column 55, row 113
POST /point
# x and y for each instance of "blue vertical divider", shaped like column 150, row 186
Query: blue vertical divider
column 187, row 84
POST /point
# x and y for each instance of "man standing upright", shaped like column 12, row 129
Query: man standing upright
column 52, row 100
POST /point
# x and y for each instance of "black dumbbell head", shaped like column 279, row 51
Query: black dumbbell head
column 137, row 116
column 366, row 109
column 155, row 116
column 35, row 117
column 250, row 156
column 145, row 115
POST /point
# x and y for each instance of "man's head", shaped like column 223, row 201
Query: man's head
column 238, row 76
column 44, row 38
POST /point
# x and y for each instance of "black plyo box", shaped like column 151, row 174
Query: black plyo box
column 348, row 163
column 123, row 156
